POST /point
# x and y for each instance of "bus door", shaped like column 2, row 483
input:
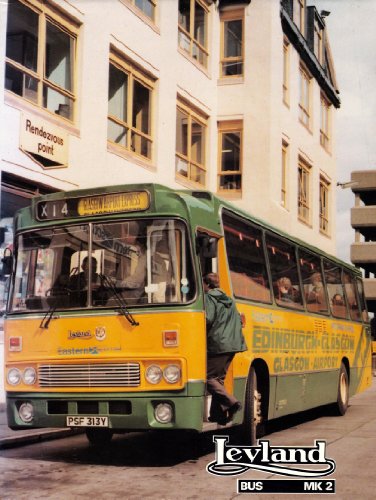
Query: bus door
column 211, row 251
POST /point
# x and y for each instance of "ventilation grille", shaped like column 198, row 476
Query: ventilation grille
column 90, row 375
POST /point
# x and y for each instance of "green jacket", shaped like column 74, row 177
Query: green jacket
column 223, row 324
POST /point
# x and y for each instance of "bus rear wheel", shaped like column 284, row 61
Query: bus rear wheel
column 99, row 437
column 252, row 424
column 343, row 391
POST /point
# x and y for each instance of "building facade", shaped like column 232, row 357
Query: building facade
column 363, row 220
column 235, row 97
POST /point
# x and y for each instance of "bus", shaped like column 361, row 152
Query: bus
column 125, row 349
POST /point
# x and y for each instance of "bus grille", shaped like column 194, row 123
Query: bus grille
column 90, row 375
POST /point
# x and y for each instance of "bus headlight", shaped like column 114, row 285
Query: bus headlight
column 153, row 374
column 14, row 376
column 26, row 412
column 29, row 376
column 163, row 413
column 172, row 374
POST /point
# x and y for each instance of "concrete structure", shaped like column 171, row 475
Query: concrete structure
column 235, row 97
column 363, row 220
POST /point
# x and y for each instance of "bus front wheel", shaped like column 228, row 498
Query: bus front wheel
column 99, row 437
column 343, row 391
column 252, row 424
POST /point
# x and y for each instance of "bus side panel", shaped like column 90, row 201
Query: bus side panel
column 303, row 354
column 361, row 366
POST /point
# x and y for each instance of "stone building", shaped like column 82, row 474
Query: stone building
column 237, row 97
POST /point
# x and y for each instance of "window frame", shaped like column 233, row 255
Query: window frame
column 284, row 173
column 299, row 15
column 48, row 14
column 324, row 205
column 228, row 16
column 325, row 123
column 304, row 191
column 224, row 128
column 153, row 3
column 192, row 114
column 318, row 41
column 134, row 74
column 305, row 97
column 286, row 72
column 188, row 35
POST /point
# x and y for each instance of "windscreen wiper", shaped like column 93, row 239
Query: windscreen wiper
column 47, row 317
column 119, row 299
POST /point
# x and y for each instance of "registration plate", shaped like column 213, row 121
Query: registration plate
column 86, row 421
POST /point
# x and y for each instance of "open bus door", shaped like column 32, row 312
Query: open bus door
column 212, row 255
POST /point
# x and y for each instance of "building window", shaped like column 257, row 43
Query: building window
column 286, row 72
column 318, row 41
column 147, row 7
column 232, row 52
column 40, row 56
column 305, row 97
column 130, row 108
column 230, row 156
column 324, row 206
column 284, row 172
column 193, row 23
column 299, row 15
column 190, row 144
column 325, row 123
column 303, row 191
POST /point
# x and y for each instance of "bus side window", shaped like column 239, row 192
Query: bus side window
column 351, row 295
column 362, row 300
column 335, row 289
column 284, row 269
column 246, row 259
column 313, row 282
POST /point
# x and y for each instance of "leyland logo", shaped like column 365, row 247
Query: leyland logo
column 289, row 461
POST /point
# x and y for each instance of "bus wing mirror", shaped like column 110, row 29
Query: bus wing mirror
column 207, row 246
column 7, row 262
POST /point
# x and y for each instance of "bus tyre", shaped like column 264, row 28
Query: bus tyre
column 252, row 410
column 99, row 437
column 343, row 391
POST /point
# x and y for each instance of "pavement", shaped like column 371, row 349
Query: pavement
column 9, row 438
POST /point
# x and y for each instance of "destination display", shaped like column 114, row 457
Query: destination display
column 87, row 206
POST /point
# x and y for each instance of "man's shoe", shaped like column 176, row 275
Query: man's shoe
column 233, row 409
column 221, row 420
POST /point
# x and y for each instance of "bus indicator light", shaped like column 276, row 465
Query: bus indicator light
column 170, row 338
column 15, row 344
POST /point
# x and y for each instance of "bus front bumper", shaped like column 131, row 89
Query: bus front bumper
column 120, row 412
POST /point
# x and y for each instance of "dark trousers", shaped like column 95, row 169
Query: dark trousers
column 217, row 366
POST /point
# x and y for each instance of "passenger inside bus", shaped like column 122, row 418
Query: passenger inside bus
column 132, row 281
column 338, row 306
column 337, row 300
column 316, row 295
column 285, row 290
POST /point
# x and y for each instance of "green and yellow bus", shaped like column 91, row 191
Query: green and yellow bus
column 105, row 324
